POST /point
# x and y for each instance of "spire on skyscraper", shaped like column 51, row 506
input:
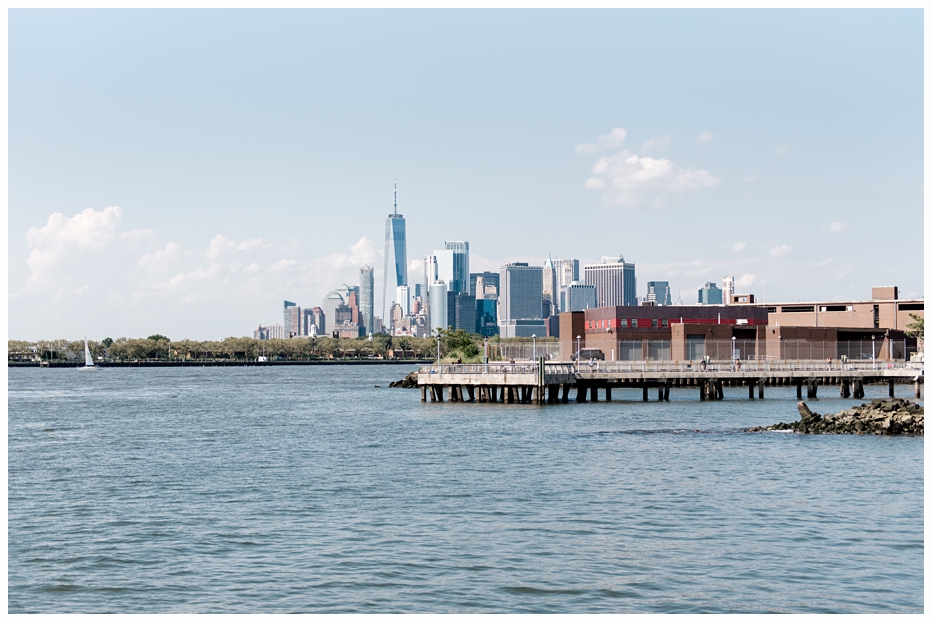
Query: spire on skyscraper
column 396, row 196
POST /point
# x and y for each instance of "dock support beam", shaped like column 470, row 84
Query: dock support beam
column 751, row 391
column 760, row 388
column 666, row 392
column 799, row 389
column 845, row 388
column 608, row 393
column 858, row 389
column 423, row 393
column 645, row 394
column 581, row 392
column 566, row 393
column 890, row 387
column 703, row 389
column 812, row 388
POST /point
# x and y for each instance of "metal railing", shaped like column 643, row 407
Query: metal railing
column 523, row 368
column 725, row 366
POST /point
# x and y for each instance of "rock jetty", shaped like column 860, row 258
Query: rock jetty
column 883, row 417
column 408, row 382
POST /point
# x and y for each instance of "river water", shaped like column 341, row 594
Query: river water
column 306, row 489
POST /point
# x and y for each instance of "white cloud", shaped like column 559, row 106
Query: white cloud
column 746, row 280
column 739, row 246
column 837, row 226
column 159, row 259
column 80, row 290
column 611, row 140
column 704, row 137
column 822, row 263
column 778, row 251
column 784, row 150
column 595, row 182
column 135, row 236
column 60, row 236
column 632, row 177
column 656, row 144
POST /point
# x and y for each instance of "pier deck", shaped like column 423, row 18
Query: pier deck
column 551, row 382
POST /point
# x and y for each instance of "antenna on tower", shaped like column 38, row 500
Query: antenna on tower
column 396, row 196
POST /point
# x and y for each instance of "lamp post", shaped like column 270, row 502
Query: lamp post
column 733, row 339
column 873, row 353
column 534, row 346
column 438, row 345
column 578, row 341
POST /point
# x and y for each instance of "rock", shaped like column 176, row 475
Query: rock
column 409, row 381
column 888, row 417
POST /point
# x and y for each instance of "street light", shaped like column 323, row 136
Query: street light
column 438, row 345
column 733, row 339
column 873, row 354
column 534, row 345
column 578, row 341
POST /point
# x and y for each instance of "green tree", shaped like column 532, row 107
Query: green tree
column 157, row 337
column 916, row 329
column 107, row 342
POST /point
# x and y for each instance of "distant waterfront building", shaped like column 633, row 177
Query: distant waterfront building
column 295, row 317
column 402, row 299
column 289, row 315
column 366, row 295
column 437, row 305
column 523, row 328
column 728, row 289
column 550, row 282
column 658, row 293
column 396, row 259
column 464, row 313
column 453, row 265
column 317, row 321
column 614, row 281
column 346, row 330
column 487, row 317
column 520, row 298
column 710, row 295
column 565, row 271
column 578, row 296
column 332, row 301
column 488, row 280
column 261, row 332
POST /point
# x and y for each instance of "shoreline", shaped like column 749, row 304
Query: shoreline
column 228, row 363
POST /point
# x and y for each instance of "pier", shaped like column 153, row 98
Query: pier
column 553, row 382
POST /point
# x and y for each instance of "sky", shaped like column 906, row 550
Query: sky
column 183, row 172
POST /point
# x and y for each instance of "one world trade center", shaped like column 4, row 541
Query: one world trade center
column 396, row 260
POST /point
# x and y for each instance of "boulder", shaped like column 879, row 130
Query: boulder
column 884, row 417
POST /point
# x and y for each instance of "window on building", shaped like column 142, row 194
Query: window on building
column 665, row 322
column 653, row 323
column 624, row 322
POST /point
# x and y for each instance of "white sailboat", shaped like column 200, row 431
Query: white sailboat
column 88, row 360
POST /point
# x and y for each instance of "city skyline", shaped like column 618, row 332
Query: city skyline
column 160, row 221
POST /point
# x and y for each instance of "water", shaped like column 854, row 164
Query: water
column 305, row 489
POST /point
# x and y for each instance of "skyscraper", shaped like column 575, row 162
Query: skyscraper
column 550, row 286
column 658, row 292
column 332, row 302
column 710, row 295
column 289, row 317
column 396, row 258
column 521, row 292
column 728, row 289
column 614, row 281
column 489, row 279
column 437, row 305
column 453, row 265
column 366, row 285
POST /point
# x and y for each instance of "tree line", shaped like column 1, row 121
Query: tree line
column 453, row 345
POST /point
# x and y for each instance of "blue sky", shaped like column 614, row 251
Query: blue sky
column 183, row 172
